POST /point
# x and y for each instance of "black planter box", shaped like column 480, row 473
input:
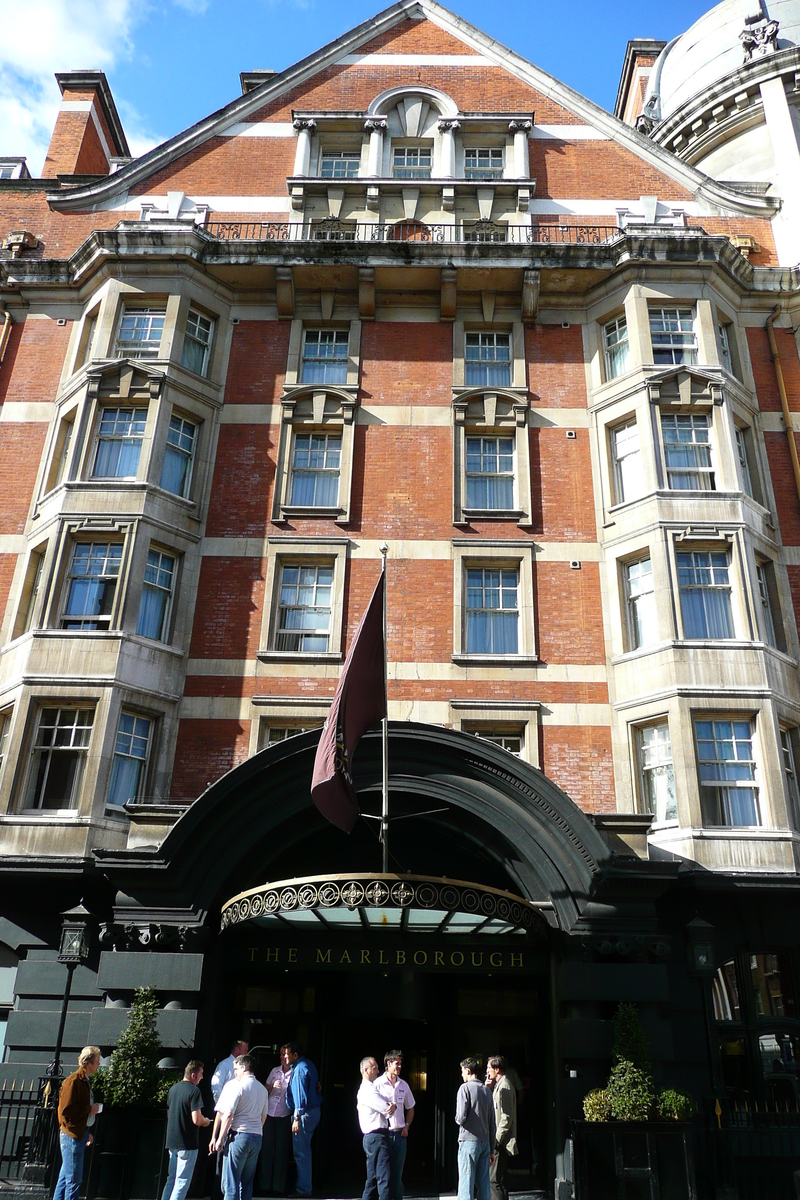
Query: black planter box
column 127, row 1158
column 648, row 1159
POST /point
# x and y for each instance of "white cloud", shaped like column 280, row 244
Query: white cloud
column 41, row 37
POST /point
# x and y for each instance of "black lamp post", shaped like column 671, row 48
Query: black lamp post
column 73, row 950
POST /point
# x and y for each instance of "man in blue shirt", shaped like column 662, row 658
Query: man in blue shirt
column 303, row 1100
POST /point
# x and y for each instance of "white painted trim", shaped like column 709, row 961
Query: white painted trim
column 17, row 412
column 415, row 60
column 266, row 129
column 568, row 133
column 75, row 106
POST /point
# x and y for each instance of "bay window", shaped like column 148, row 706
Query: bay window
column 686, row 438
column 60, row 745
column 640, row 600
column 705, row 594
column 129, row 764
column 119, row 443
column 139, row 332
column 91, row 587
column 656, row 772
column 157, row 593
column 176, row 472
column 727, row 772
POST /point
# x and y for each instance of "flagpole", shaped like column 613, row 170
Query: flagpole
column 385, row 730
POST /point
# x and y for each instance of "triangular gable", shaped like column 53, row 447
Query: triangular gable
column 375, row 37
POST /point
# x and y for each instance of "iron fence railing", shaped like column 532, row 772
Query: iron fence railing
column 755, row 1148
column 467, row 233
column 22, row 1126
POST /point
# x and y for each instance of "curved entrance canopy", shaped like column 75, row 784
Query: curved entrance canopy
column 409, row 903
column 498, row 821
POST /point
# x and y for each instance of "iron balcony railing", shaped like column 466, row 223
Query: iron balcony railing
column 468, row 233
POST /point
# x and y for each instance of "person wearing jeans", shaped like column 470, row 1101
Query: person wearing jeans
column 184, row 1121
column 477, row 1134
column 74, row 1109
column 303, row 1099
column 240, row 1112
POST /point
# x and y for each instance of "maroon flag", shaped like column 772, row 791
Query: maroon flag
column 359, row 703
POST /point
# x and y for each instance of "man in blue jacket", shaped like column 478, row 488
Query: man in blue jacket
column 303, row 1100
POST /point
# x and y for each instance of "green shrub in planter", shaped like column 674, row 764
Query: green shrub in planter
column 597, row 1105
column 673, row 1106
column 630, row 1092
column 133, row 1077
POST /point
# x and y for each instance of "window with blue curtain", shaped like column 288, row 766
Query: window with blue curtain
column 316, row 459
column 490, row 473
column 487, row 360
column 119, row 443
column 492, row 611
column 325, row 356
column 704, row 585
column 727, row 770
column 154, row 606
column 176, row 473
column 93, row 575
column 130, row 758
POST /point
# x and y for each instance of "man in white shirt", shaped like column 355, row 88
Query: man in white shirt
column 276, row 1147
column 373, row 1117
column 223, row 1072
column 397, row 1092
column 240, row 1112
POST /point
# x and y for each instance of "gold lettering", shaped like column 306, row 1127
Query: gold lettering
column 456, row 955
column 420, row 958
column 253, row 953
column 292, row 955
column 438, row 958
column 364, row 957
column 323, row 956
column 514, row 958
column 383, row 961
column 345, row 957
column 401, row 957
column 496, row 955
column 479, row 963
column 273, row 955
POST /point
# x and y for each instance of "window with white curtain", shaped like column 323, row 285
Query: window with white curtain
column 686, row 438
column 616, row 347
column 626, row 457
column 641, row 603
column 129, row 763
column 119, row 443
column 316, row 463
column 304, row 608
column 197, row 342
column 705, row 593
column 176, row 472
column 727, row 771
column 656, row 772
column 490, row 472
column 157, row 592
column 492, row 611
column 139, row 332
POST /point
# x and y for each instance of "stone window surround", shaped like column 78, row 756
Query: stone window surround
column 502, row 412
column 107, row 306
column 314, row 550
column 524, row 713
column 283, row 710
column 371, row 134
column 138, row 536
column 681, row 709
column 81, row 406
column 641, row 400
column 333, row 409
column 635, row 303
column 491, row 553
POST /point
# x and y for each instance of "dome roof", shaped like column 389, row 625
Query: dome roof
column 711, row 49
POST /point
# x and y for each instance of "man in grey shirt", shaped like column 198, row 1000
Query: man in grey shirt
column 476, row 1134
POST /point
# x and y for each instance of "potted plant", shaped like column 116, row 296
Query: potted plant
column 128, row 1156
column 631, row 1130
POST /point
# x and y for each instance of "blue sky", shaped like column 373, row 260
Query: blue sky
column 171, row 62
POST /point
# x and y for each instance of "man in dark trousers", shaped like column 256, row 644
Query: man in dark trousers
column 303, row 1101
column 74, row 1109
column 504, row 1097
column 374, row 1112
column 184, row 1121
column 476, row 1134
